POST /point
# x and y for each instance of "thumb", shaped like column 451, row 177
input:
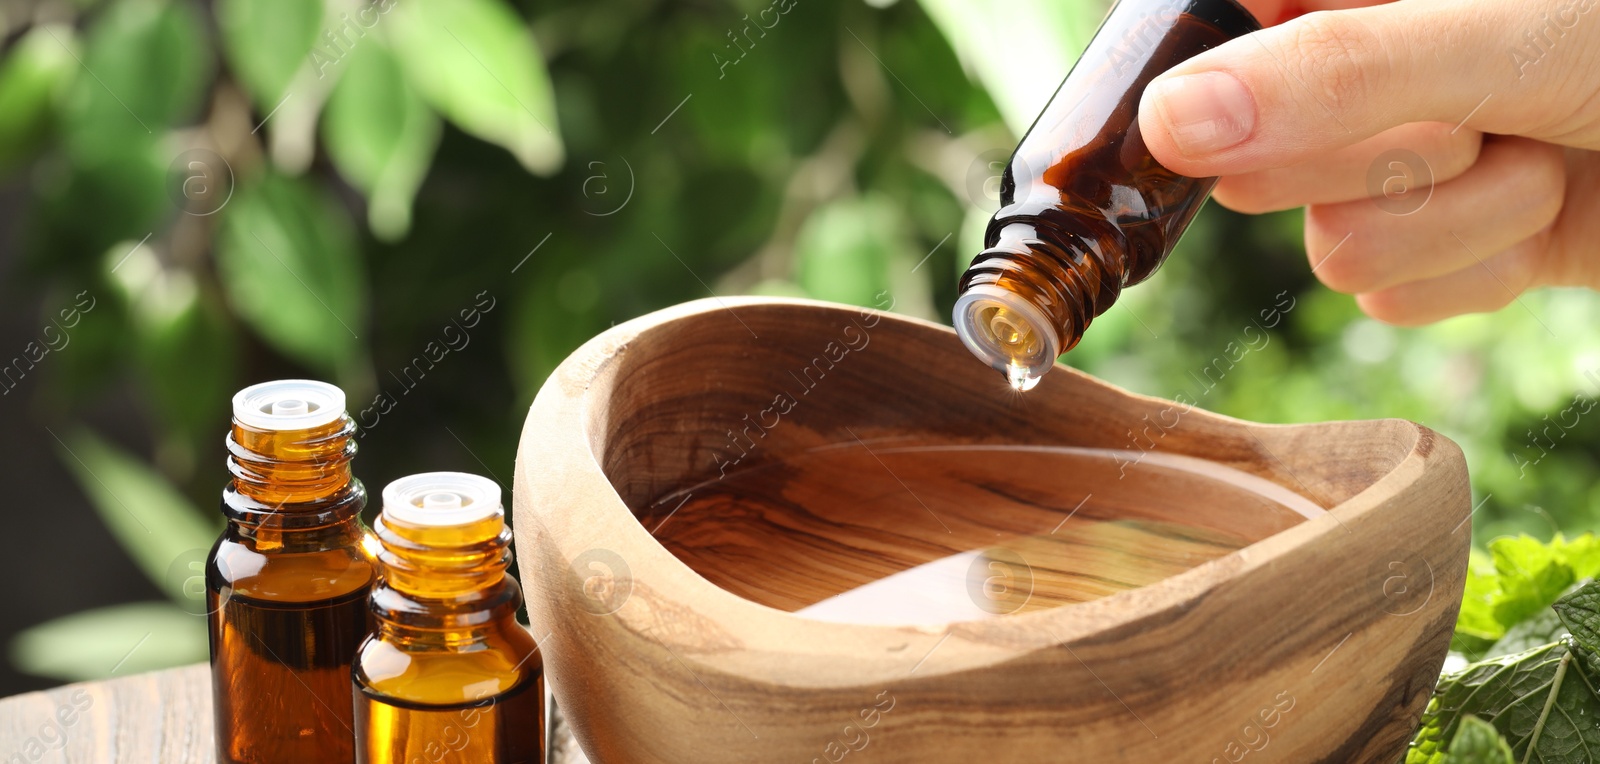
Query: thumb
column 1326, row 80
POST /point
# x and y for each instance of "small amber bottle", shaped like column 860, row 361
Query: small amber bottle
column 449, row 675
column 287, row 582
column 1085, row 209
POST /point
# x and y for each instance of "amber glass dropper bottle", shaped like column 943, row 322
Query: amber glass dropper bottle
column 1085, row 210
column 287, row 583
column 449, row 675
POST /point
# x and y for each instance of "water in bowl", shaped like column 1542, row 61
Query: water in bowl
column 892, row 532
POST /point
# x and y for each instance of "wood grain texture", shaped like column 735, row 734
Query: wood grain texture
column 893, row 530
column 162, row 717
column 1318, row 642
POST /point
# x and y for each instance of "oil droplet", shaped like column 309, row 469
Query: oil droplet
column 1021, row 379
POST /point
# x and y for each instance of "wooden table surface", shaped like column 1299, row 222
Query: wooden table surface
column 163, row 717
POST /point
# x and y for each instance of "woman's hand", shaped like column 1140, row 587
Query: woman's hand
column 1446, row 150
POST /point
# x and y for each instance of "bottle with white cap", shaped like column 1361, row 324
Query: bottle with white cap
column 287, row 582
column 1086, row 210
column 448, row 675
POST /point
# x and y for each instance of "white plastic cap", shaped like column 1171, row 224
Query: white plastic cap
column 442, row 499
column 981, row 339
column 288, row 404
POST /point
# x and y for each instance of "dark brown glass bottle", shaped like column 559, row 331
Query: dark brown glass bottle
column 1085, row 210
column 287, row 583
column 449, row 677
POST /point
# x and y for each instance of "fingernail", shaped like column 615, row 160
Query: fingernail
column 1205, row 113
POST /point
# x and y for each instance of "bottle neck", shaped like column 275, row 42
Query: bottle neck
column 1066, row 278
column 444, row 586
column 294, row 488
column 292, row 469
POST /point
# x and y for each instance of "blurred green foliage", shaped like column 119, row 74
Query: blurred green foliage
column 262, row 188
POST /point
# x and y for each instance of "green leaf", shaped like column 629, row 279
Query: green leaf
column 1580, row 613
column 479, row 67
column 1476, row 626
column 32, row 77
column 119, row 640
column 547, row 325
column 291, row 270
column 843, row 250
column 275, row 51
column 853, row 250
column 150, row 518
column 1540, row 630
column 1020, row 56
column 147, row 63
column 267, row 41
column 1532, row 575
column 185, row 394
column 1539, row 700
column 1582, row 554
column 381, row 136
column 1519, row 580
column 174, row 323
column 1478, row 742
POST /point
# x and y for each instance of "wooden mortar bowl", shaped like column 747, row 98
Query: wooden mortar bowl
column 1319, row 641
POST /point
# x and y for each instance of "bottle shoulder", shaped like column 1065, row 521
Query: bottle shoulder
column 242, row 568
column 430, row 673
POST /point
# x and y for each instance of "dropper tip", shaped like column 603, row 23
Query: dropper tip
column 1008, row 332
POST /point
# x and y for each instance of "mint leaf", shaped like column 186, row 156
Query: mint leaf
column 1478, row 742
column 1516, row 580
column 1541, row 701
column 1476, row 626
column 1532, row 575
column 1540, row 630
column 1581, row 553
column 1580, row 612
column 1580, row 615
